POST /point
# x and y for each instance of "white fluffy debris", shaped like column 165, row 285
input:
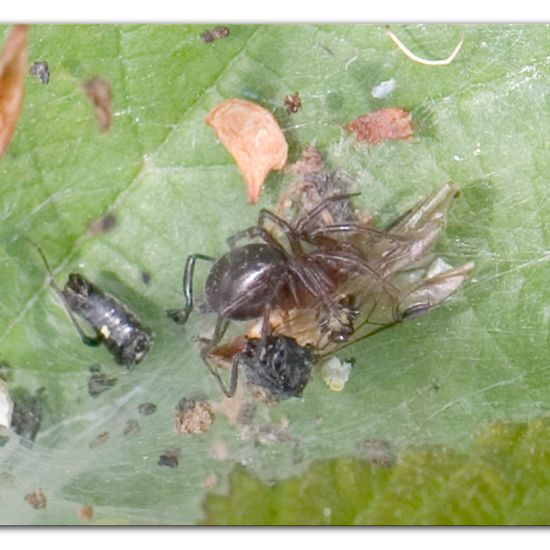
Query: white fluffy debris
column 335, row 373
column 6, row 407
column 383, row 89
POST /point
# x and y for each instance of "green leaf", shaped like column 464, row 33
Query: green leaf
column 482, row 121
column 502, row 480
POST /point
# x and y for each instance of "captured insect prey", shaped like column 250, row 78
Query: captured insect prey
column 278, row 365
column 115, row 326
column 318, row 276
column 275, row 367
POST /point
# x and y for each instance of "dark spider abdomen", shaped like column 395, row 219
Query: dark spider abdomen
column 121, row 331
column 278, row 364
column 244, row 280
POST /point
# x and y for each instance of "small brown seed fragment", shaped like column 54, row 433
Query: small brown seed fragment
column 99, row 440
column 293, row 103
column 193, row 417
column 37, row 499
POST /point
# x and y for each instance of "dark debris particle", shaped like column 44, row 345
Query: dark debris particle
column 99, row 383
column 37, row 499
column 27, row 413
column 99, row 440
column 103, row 224
column 293, row 103
column 214, row 34
column 99, row 91
column 4, row 440
column 147, row 408
column 95, row 367
column 41, row 70
column 169, row 458
column 131, row 428
column 145, row 277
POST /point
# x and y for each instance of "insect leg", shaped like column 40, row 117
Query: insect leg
column 355, row 228
column 92, row 341
column 180, row 316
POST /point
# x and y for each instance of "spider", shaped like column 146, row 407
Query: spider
column 252, row 280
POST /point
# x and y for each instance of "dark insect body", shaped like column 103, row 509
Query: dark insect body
column 115, row 326
column 278, row 365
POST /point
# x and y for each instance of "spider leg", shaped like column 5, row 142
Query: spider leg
column 380, row 328
column 180, row 316
column 254, row 232
column 306, row 218
column 219, row 331
column 283, row 225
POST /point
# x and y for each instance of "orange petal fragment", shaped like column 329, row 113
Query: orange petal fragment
column 382, row 125
column 13, row 63
column 253, row 137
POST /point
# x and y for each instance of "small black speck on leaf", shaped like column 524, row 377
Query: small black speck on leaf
column 100, row 382
column 168, row 459
column 147, row 408
column 41, row 70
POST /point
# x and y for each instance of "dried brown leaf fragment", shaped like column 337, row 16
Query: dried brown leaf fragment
column 373, row 128
column 253, row 137
column 99, row 91
column 13, row 62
